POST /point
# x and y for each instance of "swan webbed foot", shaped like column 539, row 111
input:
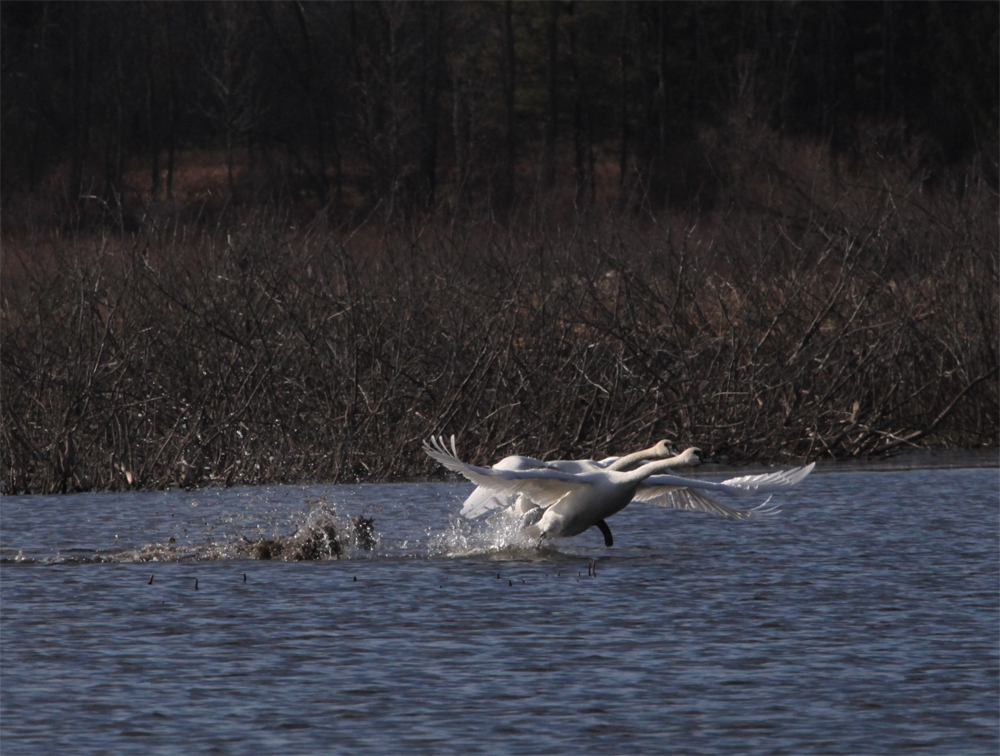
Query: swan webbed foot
column 606, row 532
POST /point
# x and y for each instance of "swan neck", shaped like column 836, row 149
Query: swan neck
column 628, row 460
column 655, row 467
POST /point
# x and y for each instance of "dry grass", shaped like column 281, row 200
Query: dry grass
column 811, row 311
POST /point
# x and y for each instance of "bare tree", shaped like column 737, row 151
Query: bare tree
column 623, row 96
column 431, row 43
column 552, row 113
column 510, row 143
column 231, row 72
column 81, row 56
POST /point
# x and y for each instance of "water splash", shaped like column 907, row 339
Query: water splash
column 286, row 524
column 322, row 534
column 498, row 536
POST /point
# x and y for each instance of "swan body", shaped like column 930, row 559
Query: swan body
column 484, row 499
column 573, row 503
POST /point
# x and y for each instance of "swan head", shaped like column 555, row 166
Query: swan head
column 661, row 449
column 689, row 456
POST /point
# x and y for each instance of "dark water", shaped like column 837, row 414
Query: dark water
column 863, row 619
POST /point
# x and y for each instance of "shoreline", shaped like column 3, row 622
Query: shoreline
column 918, row 459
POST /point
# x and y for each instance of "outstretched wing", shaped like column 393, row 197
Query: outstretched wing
column 776, row 481
column 694, row 500
column 484, row 500
column 545, row 487
column 682, row 493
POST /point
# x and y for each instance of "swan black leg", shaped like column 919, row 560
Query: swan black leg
column 606, row 531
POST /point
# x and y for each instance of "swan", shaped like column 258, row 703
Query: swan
column 484, row 499
column 571, row 503
column 658, row 451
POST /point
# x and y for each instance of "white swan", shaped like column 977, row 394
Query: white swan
column 658, row 451
column 570, row 504
column 484, row 499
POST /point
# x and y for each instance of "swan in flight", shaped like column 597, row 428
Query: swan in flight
column 569, row 504
column 484, row 499
column 659, row 451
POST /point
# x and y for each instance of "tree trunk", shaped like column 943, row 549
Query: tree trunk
column 659, row 176
column 315, row 101
column 580, row 164
column 623, row 99
column 430, row 93
column 81, row 62
column 507, row 189
column 551, row 123
column 172, row 89
column 152, row 123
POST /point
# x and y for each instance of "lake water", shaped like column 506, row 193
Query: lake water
column 862, row 619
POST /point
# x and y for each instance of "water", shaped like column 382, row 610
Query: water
column 862, row 619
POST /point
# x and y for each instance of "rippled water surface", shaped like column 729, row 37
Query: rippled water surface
column 862, row 619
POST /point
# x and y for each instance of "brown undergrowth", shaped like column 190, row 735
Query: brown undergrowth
column 807, row 314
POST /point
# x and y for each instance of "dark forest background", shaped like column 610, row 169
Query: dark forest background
column 285, row 241
column 413, row 104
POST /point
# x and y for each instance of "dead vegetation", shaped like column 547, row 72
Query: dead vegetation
column 805, row 313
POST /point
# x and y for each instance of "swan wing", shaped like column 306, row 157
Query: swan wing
column 484, row 500
column 744, row 485
column 776, row 481
column 682, row 493
column 694, row 500
column 545, row 487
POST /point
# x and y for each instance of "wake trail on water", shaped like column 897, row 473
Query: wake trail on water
column 321, row 534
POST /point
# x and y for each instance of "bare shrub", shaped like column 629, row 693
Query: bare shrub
column 815, row 311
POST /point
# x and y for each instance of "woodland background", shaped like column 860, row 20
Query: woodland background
column 284, row 241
